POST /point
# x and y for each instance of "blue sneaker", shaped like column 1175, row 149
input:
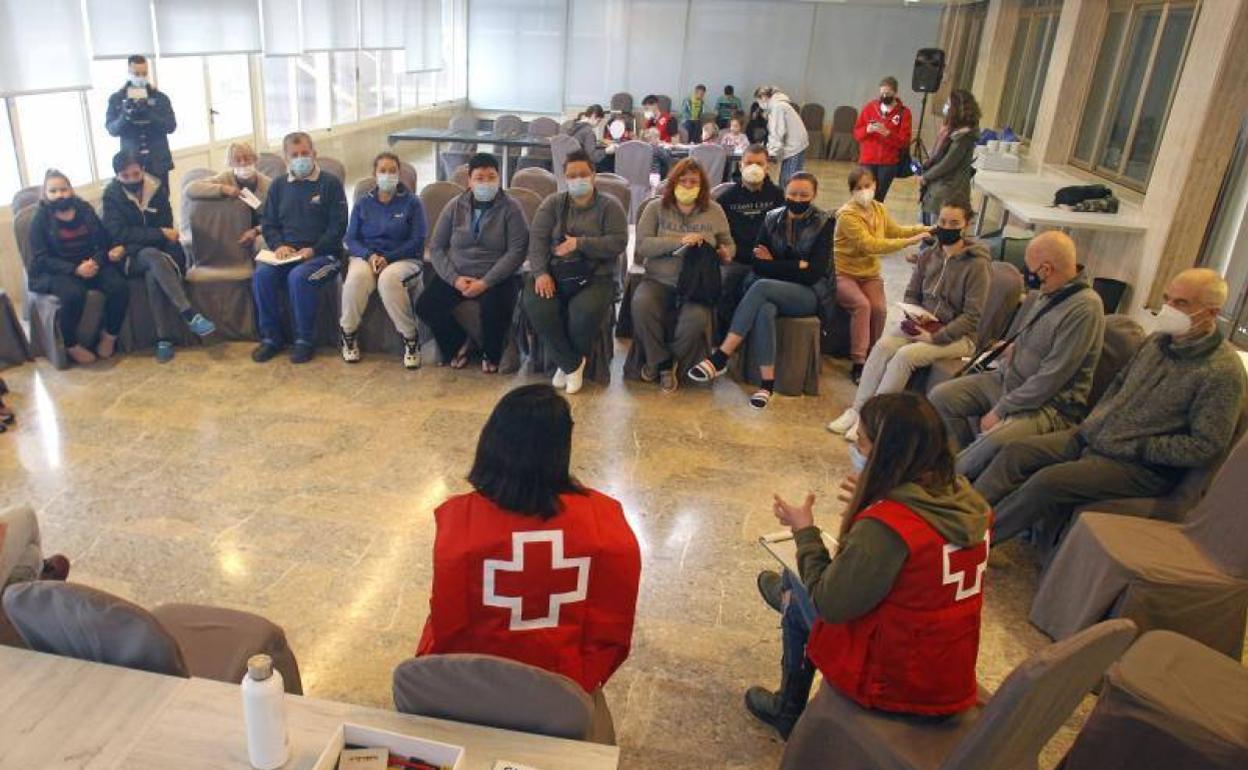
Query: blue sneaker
column 201, row 326
column 164, row 352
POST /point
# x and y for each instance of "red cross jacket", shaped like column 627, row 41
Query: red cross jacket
column 876, row 149
column 558, row 594
column 916, row 651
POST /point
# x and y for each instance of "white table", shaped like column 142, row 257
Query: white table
column 1029, row 198
column 63, row 713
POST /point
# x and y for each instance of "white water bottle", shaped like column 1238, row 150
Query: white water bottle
column 264, row 711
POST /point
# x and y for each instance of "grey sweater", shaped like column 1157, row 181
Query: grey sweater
column 584, row 133
column 953, row 289
column 1053, row 361
column 1174, row 404
column 493, row 251
column 659, row 232
column 600, row 229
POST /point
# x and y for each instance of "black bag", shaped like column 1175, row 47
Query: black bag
column 571, row 275
column 700, row 280
column 905, row 169
column 1069, row 196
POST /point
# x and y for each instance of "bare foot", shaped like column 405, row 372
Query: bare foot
column 107, row 346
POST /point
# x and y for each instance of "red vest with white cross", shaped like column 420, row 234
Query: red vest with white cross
column 915, row 652
column 559, row 594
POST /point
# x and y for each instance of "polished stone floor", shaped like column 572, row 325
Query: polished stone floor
column 305, row 494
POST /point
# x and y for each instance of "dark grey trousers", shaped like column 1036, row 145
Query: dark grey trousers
column 654, row 304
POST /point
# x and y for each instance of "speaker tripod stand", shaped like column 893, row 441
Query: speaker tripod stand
column 918, row 151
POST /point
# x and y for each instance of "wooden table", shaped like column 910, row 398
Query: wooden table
column 1029, row 197
column 63, row 713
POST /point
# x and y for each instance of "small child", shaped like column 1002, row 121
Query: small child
column 734, row 138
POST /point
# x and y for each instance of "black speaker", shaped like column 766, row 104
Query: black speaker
column 929, row 69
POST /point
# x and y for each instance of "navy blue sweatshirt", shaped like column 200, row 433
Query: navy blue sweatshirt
column 395, row 230
column 305, row 213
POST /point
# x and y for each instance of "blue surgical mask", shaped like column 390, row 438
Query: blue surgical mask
column 138, row 82
column 857, row 458
column 484, row 192
column 579, row 188
column 301, row 166
column 387, row 183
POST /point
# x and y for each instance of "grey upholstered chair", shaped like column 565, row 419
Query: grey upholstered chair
column 633, row 161
column 622, row 102
column 434, row 197
column 24, row 197
column 713, row 158
column 457, row 153
column 528, row 200
column 539, row 180
column 841, row 144
column 14, row 347
column 271, row 165
column 561, row 146
column 218, row 281
column 1006, row 733
column 1005, row 293
column 539, row 157
column 334, row 168
column 812, row 114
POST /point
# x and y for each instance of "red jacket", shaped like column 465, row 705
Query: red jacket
column 665, row 123
column 915, row 652
column 876, row 149
column 558, row 594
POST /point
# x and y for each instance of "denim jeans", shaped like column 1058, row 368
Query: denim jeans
column 766, row 298
column 300, row 280
column 799, row 616
column 884, row 176
column 790, row 166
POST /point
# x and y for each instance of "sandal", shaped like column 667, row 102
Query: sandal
column 705, row 371
column 461, row 358
column 761, row 398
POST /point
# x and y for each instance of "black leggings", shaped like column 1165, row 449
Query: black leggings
column 436, row 306
column 72, row 292
column 883, row 179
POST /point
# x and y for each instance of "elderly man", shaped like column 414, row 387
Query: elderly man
column 1172, row 408
column 1043, row 380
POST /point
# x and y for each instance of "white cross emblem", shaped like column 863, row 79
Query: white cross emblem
column 519, row 540
column 959, row 578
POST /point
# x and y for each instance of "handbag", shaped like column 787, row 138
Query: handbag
column 700, row 280
column 905, row 166
column 571, row 274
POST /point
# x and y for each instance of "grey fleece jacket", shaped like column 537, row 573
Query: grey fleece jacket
column 863, row 572
column 1175, row 404
column 1052, row 362
column 659, row 232
column 954, row 289
column 600, row 229
column 492, row 252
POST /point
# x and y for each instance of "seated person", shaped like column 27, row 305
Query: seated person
column 386, row 243
column 684, row 218
column 950, row 281
column 661, row 159
column 792, row 261
column 726, row 107
column 525, row 502
column 744, row 204
column 656, row 118
column 865, row 231
column 1173, row 408
column 479, row 243
column 734, row 138
column 909, row 518
column 138, row 216
column 305, row 217
column 72, row 253
column 585, row 130
column 1042, row 381
column 574, row 245
column 710, row 134
column 241, row 175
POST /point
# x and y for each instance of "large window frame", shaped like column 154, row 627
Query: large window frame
column 1030, row 53
column 1131, row 14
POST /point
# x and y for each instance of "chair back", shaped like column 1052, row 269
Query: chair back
column 608, row 175
column 665, row 103
column 1005, row 293
column 362, row 188
column 528, row 200
column 539, row 180
column 26, row 196
column 462, row 121
column 1123, row 337
column 720, row 189
column 460, row 175
column 271, row 165
column 843, row 119
column 641, row 209
column 21, row 233
column 1218, row 524
column 434, row 197
column 495, row 692
column 407, row 175
column 616, row 187
column 88, row 624
column 622, row 102
column 812, row 115
column 561, row 147
column 509, row 125
column 633, row 160
column 214, row 227
column 334, row 168
column 1038, row 697
column 194, row 175
column 712, row 158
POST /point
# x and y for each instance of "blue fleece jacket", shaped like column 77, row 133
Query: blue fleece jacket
column 395, row 230
column 303, row 213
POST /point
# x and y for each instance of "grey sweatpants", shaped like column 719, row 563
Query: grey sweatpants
column 1042, row 479
column 390, row 285
column 963, row 401
column 163, row 276
column 654, row 304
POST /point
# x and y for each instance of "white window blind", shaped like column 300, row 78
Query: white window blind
column 515, row 54
column 195, row 27
column 281, row 28
column 120, row 28
column 422, row 35
column 381, row 23
column 42, row 51
column 330, row 25
column 597, row 51
column 717, row 37
column 656, row 44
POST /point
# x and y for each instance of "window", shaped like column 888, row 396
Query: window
column 964, row 26
column 313, row 89
column 10, row 179
column 53, row 135
column 1029, row 65
column 229, row 82
column 344, row 87
column 107, row 75
column 1226, row 242
column 1137, row 67
column 370, row 82
column 182, row 80
column 391, row 64
column 279, row 97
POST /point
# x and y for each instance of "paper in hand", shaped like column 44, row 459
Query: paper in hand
column 248, row 197
column 916, row 312
column 269, row 257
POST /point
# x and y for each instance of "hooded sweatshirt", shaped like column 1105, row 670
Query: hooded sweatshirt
column 863, row 572
column 786, row 134
column 953, row 289
column 863, row 235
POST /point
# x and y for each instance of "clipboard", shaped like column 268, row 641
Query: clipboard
column 783, row 548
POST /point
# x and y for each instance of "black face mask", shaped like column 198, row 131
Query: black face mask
column 133, row 187
column 1032, row 280
column 948, row 235
column 62, row 204
column 796, row 208
column 888, row 100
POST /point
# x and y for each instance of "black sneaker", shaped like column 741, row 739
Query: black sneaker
column 302, row 353
column 265, row 352
column 771, row 588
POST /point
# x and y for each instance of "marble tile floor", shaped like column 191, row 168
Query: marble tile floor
column 305, row 494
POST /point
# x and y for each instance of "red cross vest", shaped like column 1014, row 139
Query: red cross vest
column 915, row 652
column 559, row 594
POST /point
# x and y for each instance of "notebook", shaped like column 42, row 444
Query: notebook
column 783, row 548
column 270, row 258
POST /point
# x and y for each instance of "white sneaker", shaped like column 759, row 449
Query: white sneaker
column 576, row 379
column 560, row 380
column 847, row 420
column 851, row 435
column 350, row 347
column 411, row 354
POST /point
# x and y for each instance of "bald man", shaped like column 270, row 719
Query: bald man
column 1172, row 408
column 1042, row 382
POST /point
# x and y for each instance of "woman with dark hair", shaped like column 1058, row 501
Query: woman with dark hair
column 947, row 173
column 893, row 621
column 588, row 131
column 72, row 253
column 531, row 565
column 670, row 229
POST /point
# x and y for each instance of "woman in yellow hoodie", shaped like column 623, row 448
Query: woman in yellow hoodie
column 865, row 232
